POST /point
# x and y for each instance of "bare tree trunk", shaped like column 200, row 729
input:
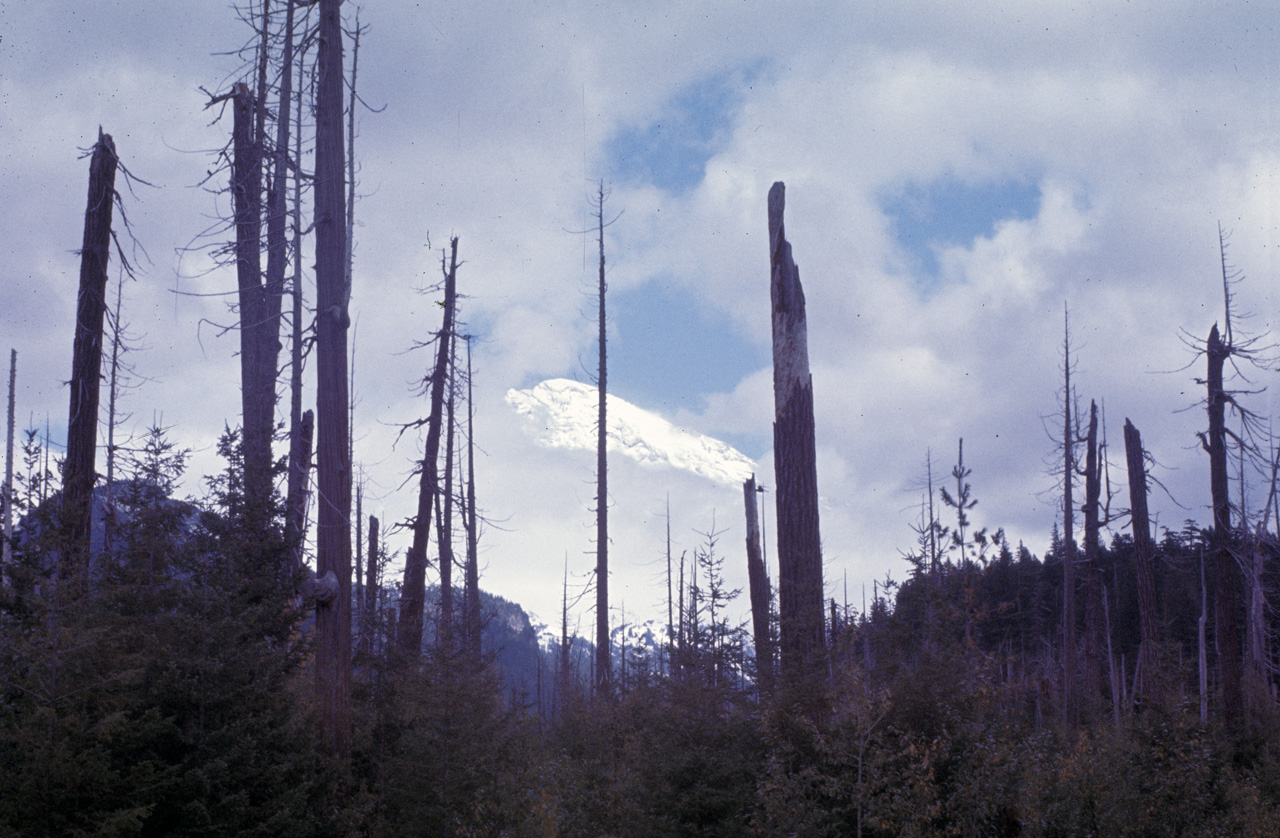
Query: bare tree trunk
column 413, row 594
column 300, row 427
column 471, row 608
column 444, row 519
column 1070, row 671
column 86, row 364
column 758, row 580
column 800, row 588
column 368, row 617
column 1202, row 645
column 333, row 520
column 258, row 408
column 1144, row 563
column 8, row 471
column 1226, row 625
column 603, row 672
column 1092, row 581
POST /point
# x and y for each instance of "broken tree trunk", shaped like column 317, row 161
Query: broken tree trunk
column 333, row 516
column 257, row 383
column 86, row 363
column 8, row 471
column 471, row 599
column 758, row 580
column 1091, row 571
column 413, row 594
column 368, row 612
column 800, row 591
column 1144, row 564
column 1070, row 669
column 1226, row 627
column 604, row 667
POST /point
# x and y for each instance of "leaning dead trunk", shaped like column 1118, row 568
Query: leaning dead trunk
column 1144, row 564
column 800, row 592
column 1226, row 625
column 413, row 594
column 86, row 363
column 758, row 580
column 333, row 531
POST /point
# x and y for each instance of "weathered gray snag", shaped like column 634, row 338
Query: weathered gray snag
column 333, row 517
column 1070, row 695
column 471, row 600
column 1226, row 625
column 1091, row 570
column 800, row 591
column 257, row 383
column 758, row 582
column 368, row 613
column 86, row 363
column 413, row 594
column 1144, row 562
column 604, row 667
column 8, row 470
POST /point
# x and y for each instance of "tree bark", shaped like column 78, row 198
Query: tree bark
column 758, row 582
column 444, row 519
column 86, row 364
column 800, row 589
column 471, row 604
column 333, row 530
column 604, row 666
column 257, row 387
column 413, row 593
column 1144, row 564
column 1070, row 670
column 1226, row 623
column 1092, row 572
column 369, row 612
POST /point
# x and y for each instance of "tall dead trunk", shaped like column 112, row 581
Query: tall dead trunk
column 258, row 408
column 413, row 593
column 444, row 517
column 7, row 490
column 471, row 605
column 1226, row 624
column 333, row 530
column 1144, row 564
column 1091, row 570
column 299, row 444
column 86, row 363
column 369, row 612
column 800, row 590
column 604, row 666
column 758, row 581
column 1070, row 669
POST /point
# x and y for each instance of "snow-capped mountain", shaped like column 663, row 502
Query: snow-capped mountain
column 563, row 415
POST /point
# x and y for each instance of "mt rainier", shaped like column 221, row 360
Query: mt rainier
column 563, row 415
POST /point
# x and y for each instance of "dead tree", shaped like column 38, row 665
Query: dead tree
column 758, row 581
column 413, row 593
column 444, row 517
column 1070, row 696
column 1144, row 565
column 301, row 425
column 1226, row 625
column 1091, row 582
column 471, row 598
column 257, row 382
column 368, row 612
column 604, row 668
column 800, row 591
column 7, row 490
column 86, row 364
column 333, row 319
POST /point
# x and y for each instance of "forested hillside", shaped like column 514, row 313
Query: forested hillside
column 252, row 651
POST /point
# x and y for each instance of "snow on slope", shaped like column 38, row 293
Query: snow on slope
column 563, row 414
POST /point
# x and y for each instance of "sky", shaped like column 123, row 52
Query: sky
column 956, row 174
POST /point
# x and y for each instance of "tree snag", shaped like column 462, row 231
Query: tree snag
column 413, row 594
column 758, row 581
column 333, row 518
column 800, row 591
column 1144, row 564
column 86, row 363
